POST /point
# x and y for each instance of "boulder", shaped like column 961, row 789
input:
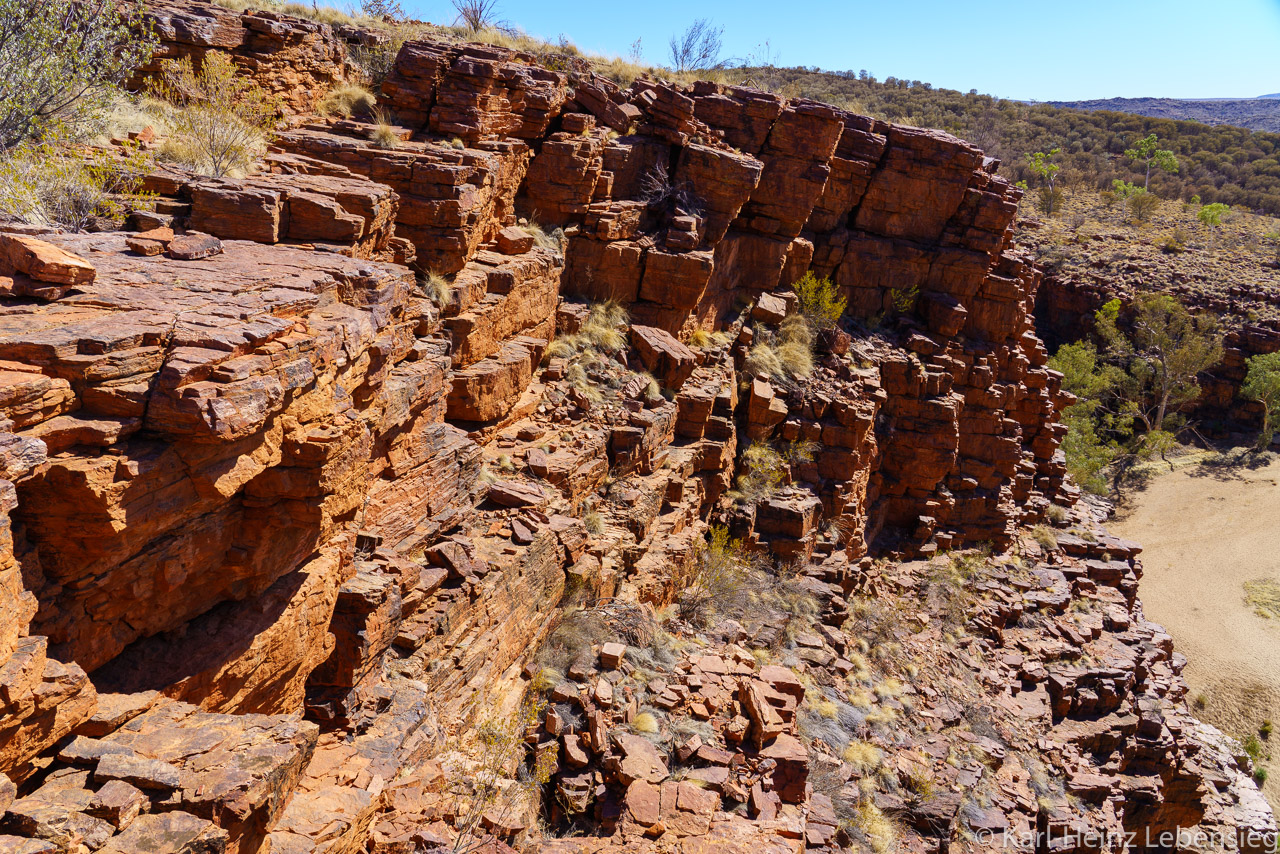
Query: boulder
column 514, row 241
column 140, row 772
column 670, row 361
column 611, row 655
column 640, row 759
column 194, row 247
column 169, row 832
column 43, row 262
column 769, row 308
column 118, row 803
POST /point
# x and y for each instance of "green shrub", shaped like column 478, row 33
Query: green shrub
column 60, row 61
column 820, row 301
column 1175, row 242
column 1253, row 747
column 383, row 10
column 1262, row 384
column 1086, row 376
column 1050, row 199
column 1142, row 205
column 1211, row 215
column 221, row 120
column 903, row 300
column 51, row 185
column 801, row 452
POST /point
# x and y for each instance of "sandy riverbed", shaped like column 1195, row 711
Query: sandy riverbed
column 1205, row 533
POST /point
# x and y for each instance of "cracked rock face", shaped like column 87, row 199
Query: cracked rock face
column 284, row 514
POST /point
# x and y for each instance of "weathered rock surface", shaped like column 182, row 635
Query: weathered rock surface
column 297, row 60
column 280, row 516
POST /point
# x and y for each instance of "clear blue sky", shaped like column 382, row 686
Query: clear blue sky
column 1027, row 49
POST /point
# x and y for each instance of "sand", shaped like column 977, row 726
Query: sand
column 1205, row 533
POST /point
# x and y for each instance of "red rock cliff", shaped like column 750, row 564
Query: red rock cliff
column 272, row 514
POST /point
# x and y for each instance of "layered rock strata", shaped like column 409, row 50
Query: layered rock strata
column 281, row 514
column 296, row 60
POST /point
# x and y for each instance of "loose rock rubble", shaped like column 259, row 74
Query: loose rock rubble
column 308, row 472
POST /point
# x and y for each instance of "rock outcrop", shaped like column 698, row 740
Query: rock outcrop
column 296, row 60
column 297, row 477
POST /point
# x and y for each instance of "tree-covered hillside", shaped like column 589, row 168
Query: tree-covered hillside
column 1219, row 163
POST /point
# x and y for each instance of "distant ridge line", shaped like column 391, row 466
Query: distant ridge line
column 1261, row 113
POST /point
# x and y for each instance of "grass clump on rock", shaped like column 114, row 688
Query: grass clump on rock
column 787, row 356
column 347, row 101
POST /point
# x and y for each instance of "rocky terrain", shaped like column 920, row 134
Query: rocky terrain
column 287, row 520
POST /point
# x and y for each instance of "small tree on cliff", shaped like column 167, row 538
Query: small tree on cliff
column 1262, row 384
column 1147, row 151
column 1042, row 166
column 820, row 301
column 1162, row 357
column 489, row 778
column 719, row 578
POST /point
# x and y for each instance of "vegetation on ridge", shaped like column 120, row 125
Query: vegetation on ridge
column 1131, row 391
column 1220, row 163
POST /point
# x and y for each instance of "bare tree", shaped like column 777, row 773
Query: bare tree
column 657, row 189
column 477, row 15
column 386, row 10
column 698, row 47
